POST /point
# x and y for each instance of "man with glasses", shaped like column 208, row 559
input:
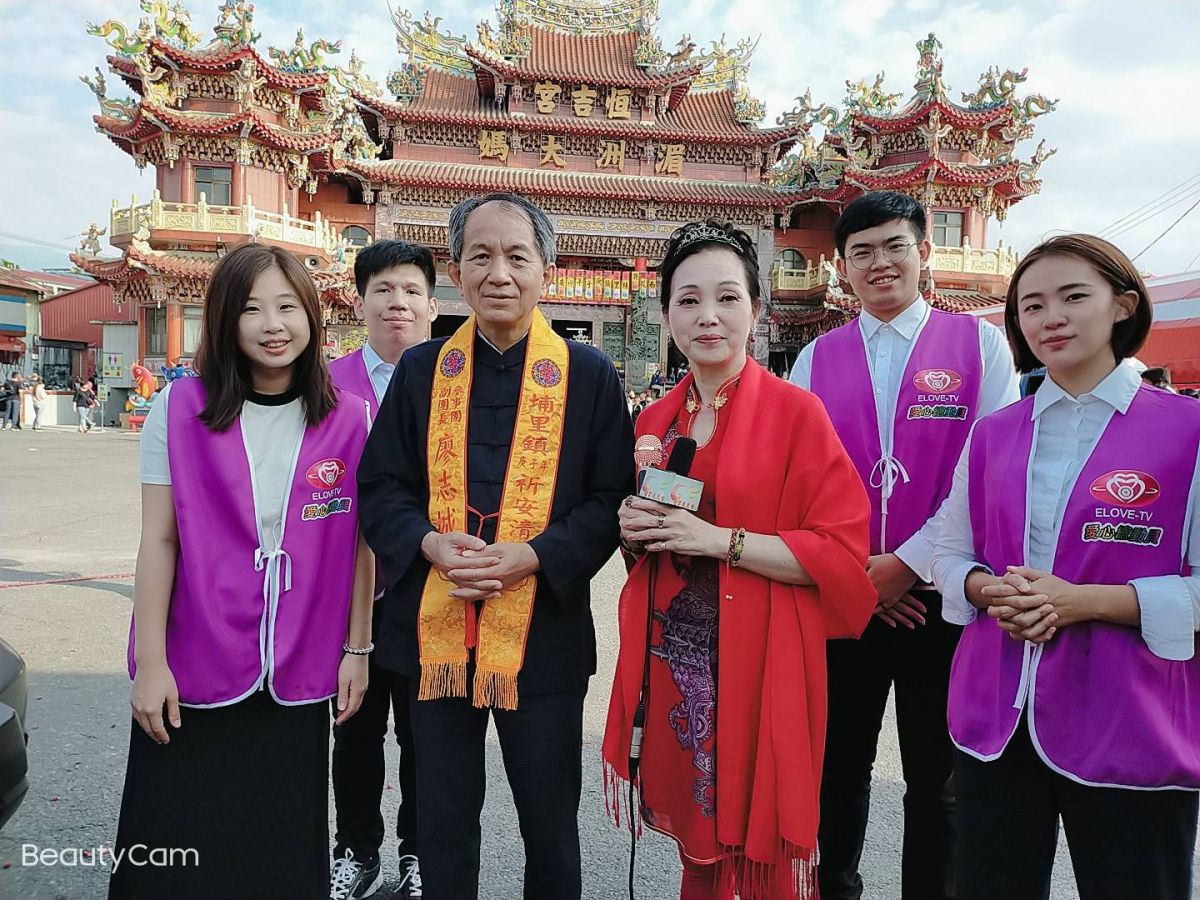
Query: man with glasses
column 903, row 385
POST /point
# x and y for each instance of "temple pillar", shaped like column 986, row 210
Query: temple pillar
column 174, row 331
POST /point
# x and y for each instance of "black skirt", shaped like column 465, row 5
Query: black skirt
column 246, row 787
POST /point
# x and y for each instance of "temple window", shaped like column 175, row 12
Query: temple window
column 947, row 229
column 215, row 183
column 790, row 260
column 192, row 317
column 156, row 331
column 356, row 236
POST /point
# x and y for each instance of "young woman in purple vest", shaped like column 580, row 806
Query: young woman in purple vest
column 903, row 384
column 1071, row 553
column 252, row 601
column 395, row 282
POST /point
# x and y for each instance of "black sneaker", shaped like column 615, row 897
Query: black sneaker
column 350, row 879
column 409, row 885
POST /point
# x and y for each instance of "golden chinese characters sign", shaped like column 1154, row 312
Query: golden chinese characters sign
column 545, row 95
column 670, row 160
column 584, row 100
column 493, row 145
column 617, row 103
column 612, row 155
column 552, row 152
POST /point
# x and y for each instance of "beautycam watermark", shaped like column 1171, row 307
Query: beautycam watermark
column 138, row 855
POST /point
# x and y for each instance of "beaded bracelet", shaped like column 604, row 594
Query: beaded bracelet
column 737, row 545
column 358, row 651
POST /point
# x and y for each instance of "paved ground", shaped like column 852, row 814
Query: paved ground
column 69, row 514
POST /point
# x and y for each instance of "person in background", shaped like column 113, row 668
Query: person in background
column 395, row 282
column 1158, row 377
column 656, row 383
column 82, row 401
column 490, row 486
column 749, row 586
column 252, row 599
column 1071, row 553
column 39, row 398
column 903, row 383
column 12, row 407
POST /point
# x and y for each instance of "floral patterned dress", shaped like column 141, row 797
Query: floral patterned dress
column 678, row 767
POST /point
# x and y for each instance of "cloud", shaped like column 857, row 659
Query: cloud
column 1122, row 135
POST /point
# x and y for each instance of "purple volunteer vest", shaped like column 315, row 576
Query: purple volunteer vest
column 1103, row 709
column 238, row 613
column 937, row 403
column 349, row 372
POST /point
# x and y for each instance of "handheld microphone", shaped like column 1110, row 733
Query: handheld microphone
column 683, row 454
column 672, row 486
column 647, row 454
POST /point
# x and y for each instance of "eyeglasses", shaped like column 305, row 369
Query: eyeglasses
column 895, row 252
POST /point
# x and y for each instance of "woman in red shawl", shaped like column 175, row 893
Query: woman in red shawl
column 744, row 594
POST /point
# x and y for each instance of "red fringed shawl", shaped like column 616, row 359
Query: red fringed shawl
column 783, row 471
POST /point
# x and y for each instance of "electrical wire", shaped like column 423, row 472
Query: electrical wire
column 1146, row 217
column 1148, row 204
column 1169, row 227
column 25, row 239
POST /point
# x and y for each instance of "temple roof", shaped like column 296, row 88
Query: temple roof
column 150, row 118
column 450, row 99
column 1002, row 176
column 600, row 59
column 919, row 109
column 544, row 182
column 334, row 285
column 945, row 299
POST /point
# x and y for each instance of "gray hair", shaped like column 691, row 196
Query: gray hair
column 543, row 230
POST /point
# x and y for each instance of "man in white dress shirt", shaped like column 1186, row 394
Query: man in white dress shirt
column 903, row 383
column 395, row 282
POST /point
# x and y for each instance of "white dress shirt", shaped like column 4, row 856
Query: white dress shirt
column 378, row 371
column 1068, row 429
column 888, row 347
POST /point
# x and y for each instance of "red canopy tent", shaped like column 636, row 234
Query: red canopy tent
column 1174, row 341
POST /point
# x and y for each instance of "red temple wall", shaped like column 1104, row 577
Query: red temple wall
column 266, row 189
column 811, row 233
column 333, row 202
column 170, row 183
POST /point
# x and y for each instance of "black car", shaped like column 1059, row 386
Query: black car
column 14, row 764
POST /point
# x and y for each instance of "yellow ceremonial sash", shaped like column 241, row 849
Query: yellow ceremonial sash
column 524, row 514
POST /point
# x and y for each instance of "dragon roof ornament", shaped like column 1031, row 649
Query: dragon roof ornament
column 580, row 16
column 351, row 77
column 725, row 68
column 425, row 47
column 998, row 88
column 168, row 22
column 299, row 58
column 861, row 96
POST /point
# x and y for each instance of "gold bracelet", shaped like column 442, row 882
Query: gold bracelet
column 737, row 544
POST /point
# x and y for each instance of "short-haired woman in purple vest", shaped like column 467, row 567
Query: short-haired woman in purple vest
column 252, row 601
column 1071, row 553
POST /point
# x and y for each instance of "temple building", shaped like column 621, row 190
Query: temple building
column 573, row 103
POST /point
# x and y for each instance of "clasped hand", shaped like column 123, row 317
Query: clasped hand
column 893, row 580
column 1031, row 605
column 658, row 527
column 479, row 571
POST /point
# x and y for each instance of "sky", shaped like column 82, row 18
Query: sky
column 1126, row 127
